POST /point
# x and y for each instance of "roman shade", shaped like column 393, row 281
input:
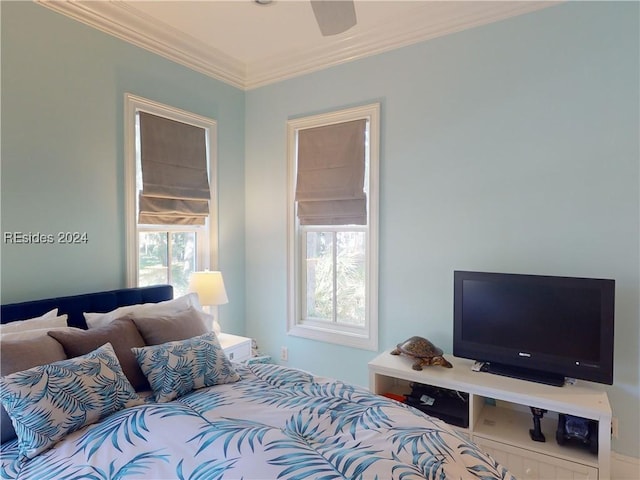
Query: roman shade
column 330, row 178
column 175, row 180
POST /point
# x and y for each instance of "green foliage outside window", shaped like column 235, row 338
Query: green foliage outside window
column 158, row 251
column 342, row 276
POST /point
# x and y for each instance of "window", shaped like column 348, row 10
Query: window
column 168, row 235
column 333, row 227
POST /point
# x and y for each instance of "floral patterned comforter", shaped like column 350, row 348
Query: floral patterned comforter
column 275, row 423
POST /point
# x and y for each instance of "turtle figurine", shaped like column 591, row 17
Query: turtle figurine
column 423, row 351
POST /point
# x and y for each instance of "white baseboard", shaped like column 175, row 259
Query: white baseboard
column 624, row 468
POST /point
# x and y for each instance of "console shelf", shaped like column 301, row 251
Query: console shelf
column 500, row 418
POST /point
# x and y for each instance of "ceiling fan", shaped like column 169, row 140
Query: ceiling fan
column 332, row 16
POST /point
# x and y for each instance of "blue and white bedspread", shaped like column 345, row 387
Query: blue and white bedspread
column 275, row 423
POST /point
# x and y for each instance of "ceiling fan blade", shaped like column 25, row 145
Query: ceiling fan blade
column 334, row 16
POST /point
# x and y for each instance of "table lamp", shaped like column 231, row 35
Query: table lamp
column 209, row 286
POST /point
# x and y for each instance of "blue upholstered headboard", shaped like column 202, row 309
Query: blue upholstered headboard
column 74, row 306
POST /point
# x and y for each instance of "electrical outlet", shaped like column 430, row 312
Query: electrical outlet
column 284, row 354
column 614, row 427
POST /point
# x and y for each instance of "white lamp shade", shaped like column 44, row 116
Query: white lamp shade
column 209, row 286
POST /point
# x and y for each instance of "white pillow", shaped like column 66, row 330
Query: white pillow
column 48, row 320
column 95, row 320
column 38, row 332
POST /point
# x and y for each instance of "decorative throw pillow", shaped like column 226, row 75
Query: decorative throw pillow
column 122, row 334
column 46, row 403
column 50, row 319
column 171, row 327
column 167, row 307
column 18, row 353
column 176, row 368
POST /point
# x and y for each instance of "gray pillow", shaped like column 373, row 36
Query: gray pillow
column 171, row 327
column 18, row 354
column 122, row 334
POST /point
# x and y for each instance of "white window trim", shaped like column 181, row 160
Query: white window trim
column 364, row 338
column 207, row 255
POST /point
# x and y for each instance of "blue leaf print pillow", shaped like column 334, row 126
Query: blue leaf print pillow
column 48, row 402
column 177, row 368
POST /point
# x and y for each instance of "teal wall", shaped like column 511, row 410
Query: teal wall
column 509, row 147
column 63, row 87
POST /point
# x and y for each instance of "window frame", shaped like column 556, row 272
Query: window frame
column 206, row 235
column 366, row 337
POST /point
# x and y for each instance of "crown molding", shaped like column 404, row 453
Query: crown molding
column 129, row 24
column 425, row 24
column 123, row 21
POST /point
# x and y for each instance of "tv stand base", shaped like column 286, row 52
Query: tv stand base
column 523, row 374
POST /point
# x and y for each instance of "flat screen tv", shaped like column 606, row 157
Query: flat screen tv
column 539, row 328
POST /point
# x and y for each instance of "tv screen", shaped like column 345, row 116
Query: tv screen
column 541, row 328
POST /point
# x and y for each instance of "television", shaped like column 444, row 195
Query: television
column 535, row 327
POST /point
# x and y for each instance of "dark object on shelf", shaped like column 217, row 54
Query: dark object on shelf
column 450, row 406
column 536, row 432
column 523, row 373
column 577, row 430
column 425, row 352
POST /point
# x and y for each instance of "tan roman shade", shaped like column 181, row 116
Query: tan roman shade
column 331, row 169
column 175, row 181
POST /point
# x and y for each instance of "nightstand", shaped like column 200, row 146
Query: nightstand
column 237, row 348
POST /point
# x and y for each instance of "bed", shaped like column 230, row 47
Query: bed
column 187, row 412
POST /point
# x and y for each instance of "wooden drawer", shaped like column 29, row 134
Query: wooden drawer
column 528, row 465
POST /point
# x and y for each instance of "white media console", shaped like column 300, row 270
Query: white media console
column 500, row 417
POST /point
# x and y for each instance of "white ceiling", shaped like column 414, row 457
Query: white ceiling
column 249, row 45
